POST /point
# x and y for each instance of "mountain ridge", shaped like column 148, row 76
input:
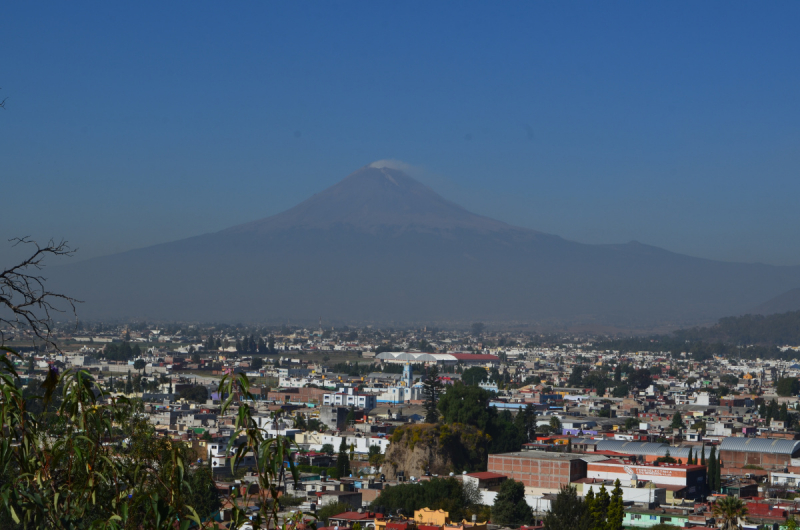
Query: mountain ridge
column 381, row 247
column 373, row 198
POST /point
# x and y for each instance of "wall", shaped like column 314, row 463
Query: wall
column 538, row 474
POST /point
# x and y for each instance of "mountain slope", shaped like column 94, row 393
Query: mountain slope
column 373, row 200
column 788, row 301
column 381, row 247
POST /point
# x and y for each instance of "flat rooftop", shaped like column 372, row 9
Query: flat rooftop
column 551, row 455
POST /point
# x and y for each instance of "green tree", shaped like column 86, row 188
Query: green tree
column 640, row 379
column 576, row 377
column 342, row 460
column 447, row 494
column 598, row 510
column 616, row 509
column 690, row 460
column 567, row 511
column 139, row 364
column 203, row 496
column 375, row 456
column 620, row 391
column 465, row 404
column 787, row 386
column 730, row 509
column 469, row 405
column 510, row 507
column 85, row 482
column 327, row 449
column 332, row 510
column 196, row 393
column 711, row 470
column 677, row 421
column 631, row 423
column 555, row 424
column 473, row 375
column 432, row 389
column 314, row 425
column 525, row 420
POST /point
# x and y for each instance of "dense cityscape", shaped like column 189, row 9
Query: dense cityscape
column 374, row 265
column 510, row 421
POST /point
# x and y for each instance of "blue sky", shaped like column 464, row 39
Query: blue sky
column 674, row 124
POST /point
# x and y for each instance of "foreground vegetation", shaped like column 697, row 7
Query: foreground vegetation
column 72, row 456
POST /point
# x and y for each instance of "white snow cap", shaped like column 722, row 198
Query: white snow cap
column 391, row 164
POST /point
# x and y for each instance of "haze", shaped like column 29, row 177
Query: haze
column 673, row 125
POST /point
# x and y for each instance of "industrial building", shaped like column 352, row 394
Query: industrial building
column 541, row 471
column 771, row 454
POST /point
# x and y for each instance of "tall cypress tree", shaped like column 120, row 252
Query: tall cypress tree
column 689, row 460
column 588, row 500
column 703, row 455
column 599, row 510
column 711, row 472
column 616, row 509
column 342, row 460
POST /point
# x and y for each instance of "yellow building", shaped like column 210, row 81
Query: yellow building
column 429, row 517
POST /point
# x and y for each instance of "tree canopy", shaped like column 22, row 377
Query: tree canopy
column 510, row 507
column 447, row 494
column 469, row 405
column 787, row 386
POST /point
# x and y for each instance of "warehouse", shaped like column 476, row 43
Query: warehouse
column 541, row 471
column 681, row 481
column 645, row 449
column 772, row 454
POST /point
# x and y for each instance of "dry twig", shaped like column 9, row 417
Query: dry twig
column 25, row 302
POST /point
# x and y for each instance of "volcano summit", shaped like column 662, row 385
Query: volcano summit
column 381, row 247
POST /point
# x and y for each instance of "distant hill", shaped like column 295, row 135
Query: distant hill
column 788, row 301
column 779, row 329
column 381, row 247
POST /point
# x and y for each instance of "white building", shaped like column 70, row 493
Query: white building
column 401, row 394
column 350, row 398
column 361, row 444
column 784, row 479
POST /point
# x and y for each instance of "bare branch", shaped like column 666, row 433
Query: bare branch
column 25, row 302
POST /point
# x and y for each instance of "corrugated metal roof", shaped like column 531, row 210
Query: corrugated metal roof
column 417, row 357
column 649, row 448
column 631, row 448
column 774, row 446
